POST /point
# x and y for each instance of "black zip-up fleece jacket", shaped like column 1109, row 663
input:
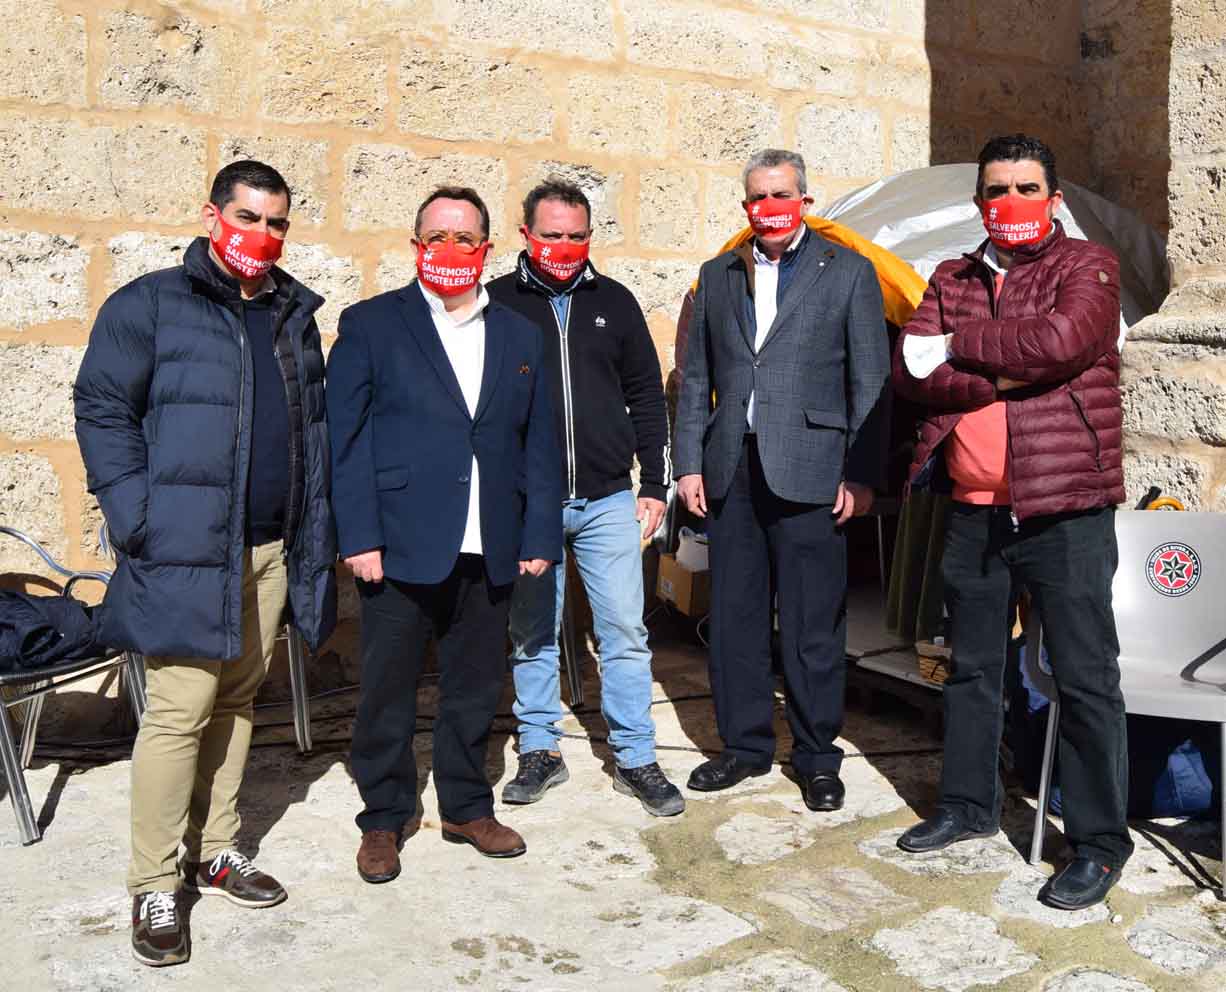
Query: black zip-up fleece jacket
column 607, row 388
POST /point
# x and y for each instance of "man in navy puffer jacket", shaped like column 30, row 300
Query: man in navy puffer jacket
column 200, row 416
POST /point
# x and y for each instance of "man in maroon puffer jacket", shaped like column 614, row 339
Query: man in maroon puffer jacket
column 1014, row 353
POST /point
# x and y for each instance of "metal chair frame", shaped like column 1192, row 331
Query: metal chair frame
column 16, row 756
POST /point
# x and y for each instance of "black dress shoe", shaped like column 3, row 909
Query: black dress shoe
column 1083, row 882
column 722, row 772
column 823, row 792
column 939, row 832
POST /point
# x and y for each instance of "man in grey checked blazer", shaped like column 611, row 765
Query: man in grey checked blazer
column 781, row 438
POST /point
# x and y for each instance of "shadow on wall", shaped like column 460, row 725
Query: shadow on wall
column 1090, row 78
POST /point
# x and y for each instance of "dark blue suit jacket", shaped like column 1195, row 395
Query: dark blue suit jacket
column 403, row 442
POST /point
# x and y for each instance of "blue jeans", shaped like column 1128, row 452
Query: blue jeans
column 603, row 536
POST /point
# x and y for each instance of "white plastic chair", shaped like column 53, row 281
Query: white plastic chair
column 1169, row 596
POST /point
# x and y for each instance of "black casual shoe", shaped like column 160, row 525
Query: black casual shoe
column 722, row 772
column 1083, row 882
column 823, row 792
column 649, row 785
column 539, row 771
column 938, row 832
column 159, row 935
column 235, row 877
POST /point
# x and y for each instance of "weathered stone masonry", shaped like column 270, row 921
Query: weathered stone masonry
column 113, row 116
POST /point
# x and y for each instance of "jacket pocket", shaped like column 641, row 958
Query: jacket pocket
column 1081, row 412
column 829, row 419
column 391, row 478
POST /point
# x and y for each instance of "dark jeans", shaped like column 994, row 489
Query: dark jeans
column 1067, row 561
column 468, row 617
column 764, row 547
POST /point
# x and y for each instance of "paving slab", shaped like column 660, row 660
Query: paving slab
column 1017, row 896
column 836, row 898
column 765, row 973
column 1184, row 939
column 954, row 950
column 1089, row 980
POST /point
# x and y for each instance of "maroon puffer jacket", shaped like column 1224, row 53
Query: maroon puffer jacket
column 1055, row 328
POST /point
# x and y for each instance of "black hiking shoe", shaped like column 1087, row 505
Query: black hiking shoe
column 651, row 787
column 539, row 771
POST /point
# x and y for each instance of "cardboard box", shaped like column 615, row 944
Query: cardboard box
column 689, row 591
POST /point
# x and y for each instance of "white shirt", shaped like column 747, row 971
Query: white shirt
column 464, row 342
column 766, row 298
column 924, row 355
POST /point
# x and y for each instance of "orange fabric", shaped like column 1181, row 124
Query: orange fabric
column 975, row 452
column 902, row 287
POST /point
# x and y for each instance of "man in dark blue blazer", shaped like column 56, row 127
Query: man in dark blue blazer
column 447, row 481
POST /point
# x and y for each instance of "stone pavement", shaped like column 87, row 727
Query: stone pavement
column 747, row 891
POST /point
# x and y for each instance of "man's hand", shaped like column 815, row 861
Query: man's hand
column 535, row 567
column 1004, row 383
column 651, row 511
column 368, row 566
column 692, row 493
column 854, row 500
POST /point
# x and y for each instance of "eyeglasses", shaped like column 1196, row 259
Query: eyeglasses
column 465, row 243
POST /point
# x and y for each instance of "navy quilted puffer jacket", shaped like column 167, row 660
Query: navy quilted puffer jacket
column 163, row 416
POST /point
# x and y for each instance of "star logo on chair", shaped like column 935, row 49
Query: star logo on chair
column 1173, row 569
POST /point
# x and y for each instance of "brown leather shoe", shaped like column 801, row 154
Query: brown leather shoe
column 487, row 835
column 379, row 856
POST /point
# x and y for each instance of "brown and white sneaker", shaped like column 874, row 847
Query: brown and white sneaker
column 232, row 875
column 159, row 932
column 487, row 835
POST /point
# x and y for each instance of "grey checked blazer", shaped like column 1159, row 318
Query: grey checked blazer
column 820, row 380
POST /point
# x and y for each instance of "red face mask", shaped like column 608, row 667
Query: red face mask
column 246, row 254
column 774, row 215
column 559, row 260
column 1012, row 221
column 447, row 269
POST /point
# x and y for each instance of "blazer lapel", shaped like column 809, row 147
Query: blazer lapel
column 420, row 322
column 740, row 285
column 815, row 257
column 495, row 344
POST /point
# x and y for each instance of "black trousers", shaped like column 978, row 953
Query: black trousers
column 1067, row 561
column 765, row 548
column 468, row 617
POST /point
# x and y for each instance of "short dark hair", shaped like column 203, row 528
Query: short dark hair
column 247, row 172
column 555, row 188
column 1016, row 148
column 465, row 193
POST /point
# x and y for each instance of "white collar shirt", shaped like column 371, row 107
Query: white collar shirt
column 766, row 298
column 464, row 342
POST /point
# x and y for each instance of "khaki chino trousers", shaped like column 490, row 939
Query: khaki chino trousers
column 192, row 747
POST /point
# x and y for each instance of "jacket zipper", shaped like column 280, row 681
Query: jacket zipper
column 238, row 456
column 567, row 401
column 1093, row 433
column 278, row 327
column 994, row 296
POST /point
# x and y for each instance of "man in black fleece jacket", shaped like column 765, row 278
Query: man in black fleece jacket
column 610, row 407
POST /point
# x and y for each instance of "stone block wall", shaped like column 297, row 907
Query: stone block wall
column 1175, row 362
column 114, row 115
